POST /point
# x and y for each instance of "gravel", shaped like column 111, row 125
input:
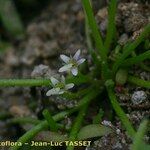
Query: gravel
column 138, row 97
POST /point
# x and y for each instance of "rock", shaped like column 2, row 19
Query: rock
column 41, row 71
column 20, row 111
column 138, row 97
column 123, row 39
column 11, row 59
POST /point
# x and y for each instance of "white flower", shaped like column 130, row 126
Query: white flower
column 59, row 87
column 72, row 63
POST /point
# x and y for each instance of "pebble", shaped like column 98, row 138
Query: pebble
column 107, row 123
column 138, row 97
column 41, row 71
column 123, row 39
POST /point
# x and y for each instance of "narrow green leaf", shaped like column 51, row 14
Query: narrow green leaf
column 111, row 24
column 52, row 124
column 139, row 82
column 10, row 18
column 129, row 49
column 137, row 59
column 138, row 139
column 119, row 111
column 93, row 130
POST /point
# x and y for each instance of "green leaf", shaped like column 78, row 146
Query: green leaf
column 138, row 138
column 93, row 130
column 11, row 19
column 121, row 76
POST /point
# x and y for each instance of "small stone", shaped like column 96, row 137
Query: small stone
column 117, row 145
column 123, row 39
column 118, row 131
column 138, row 97
column 19, row 111
column 41, row 71
column 107, row 123
column 90, row 148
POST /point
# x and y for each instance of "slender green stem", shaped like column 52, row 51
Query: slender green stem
column 139, row 82
column 24, row 82
column 137, row 59
column 44, row 125
column 77, row 125
column 111, row 24
column 52, row 124
column 131, row 48
column 139, row 135
column 28, row 120
column 23, row 120
column 120, row 112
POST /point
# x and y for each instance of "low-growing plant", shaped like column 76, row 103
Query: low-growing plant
column 106, row 74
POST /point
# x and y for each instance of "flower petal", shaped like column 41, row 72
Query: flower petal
column 65, row 68
column 74, row 71
column 69, row 86
column 63, row 79
column 65, row 58
column 54, row 81
column 81, row 61
column 53, row 91
column 77, row 54
column 61, row 91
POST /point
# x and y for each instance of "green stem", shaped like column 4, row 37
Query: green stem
column 131, row 48
column 28, row 120
column 137, row 59
column 139, row 135
column 120, row 112
column 24, row 120
column 111, row 24
column 44, row 125
column 139, row 82
column 52, row 124
column 77, row 125
column 24, row 82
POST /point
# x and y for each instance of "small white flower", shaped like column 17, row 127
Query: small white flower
column 59, row 87
column 72, row 63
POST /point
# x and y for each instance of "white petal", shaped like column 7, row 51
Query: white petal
column 69, row 86
column 74, row 71
column 53, row 91
column 77, row 54
column 54, row 81
column 81, row 61
column 61, row 91
column 65, row 58
column 65, row 68
column 63, row 79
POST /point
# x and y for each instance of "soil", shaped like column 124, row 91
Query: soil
column 59, row 29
